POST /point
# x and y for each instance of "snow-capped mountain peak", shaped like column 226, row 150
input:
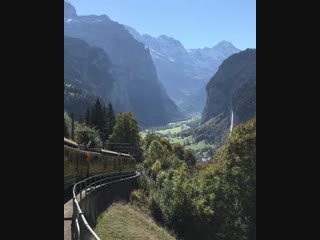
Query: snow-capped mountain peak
column 183, row 70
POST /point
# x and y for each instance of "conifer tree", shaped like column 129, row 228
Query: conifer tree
column 66, row 133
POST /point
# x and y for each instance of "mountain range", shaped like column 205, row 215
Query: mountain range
column 129, row 78
column 231, row 97
column 184, row 72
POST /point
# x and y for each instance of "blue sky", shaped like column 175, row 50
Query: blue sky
column 195, row 23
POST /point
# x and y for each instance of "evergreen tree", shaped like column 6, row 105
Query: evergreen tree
column 88, row 117
column 97, row 116
column 104, row 110
column 110, row 120
column 66, row 132
column 81, row 119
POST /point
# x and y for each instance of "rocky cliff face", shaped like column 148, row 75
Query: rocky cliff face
column 184, row 72
column 231, row 89
column 235, row 77
column 132, row 64
column 90, row 69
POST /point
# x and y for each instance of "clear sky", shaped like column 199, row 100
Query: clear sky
column 195, row 23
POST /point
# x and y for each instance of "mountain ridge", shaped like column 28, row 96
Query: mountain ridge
column 184, row 72
column 132, row 64
column 230, row 92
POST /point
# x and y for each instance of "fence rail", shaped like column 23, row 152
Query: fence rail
column 94, row 195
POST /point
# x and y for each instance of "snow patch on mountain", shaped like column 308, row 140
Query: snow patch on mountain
column 159, row 55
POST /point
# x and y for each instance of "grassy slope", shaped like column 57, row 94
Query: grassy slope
column 125, row 222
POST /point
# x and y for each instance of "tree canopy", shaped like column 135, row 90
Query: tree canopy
column 215, row 201
column 125, row 135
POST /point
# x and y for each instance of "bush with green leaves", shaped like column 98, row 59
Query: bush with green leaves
column 86, row 134
column 212, row 201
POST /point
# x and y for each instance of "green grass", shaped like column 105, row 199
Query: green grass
column 181, row 140
column 199, row 145
column 192, row 146
column 171, row 130
column 125, row 222
column 175, row 128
